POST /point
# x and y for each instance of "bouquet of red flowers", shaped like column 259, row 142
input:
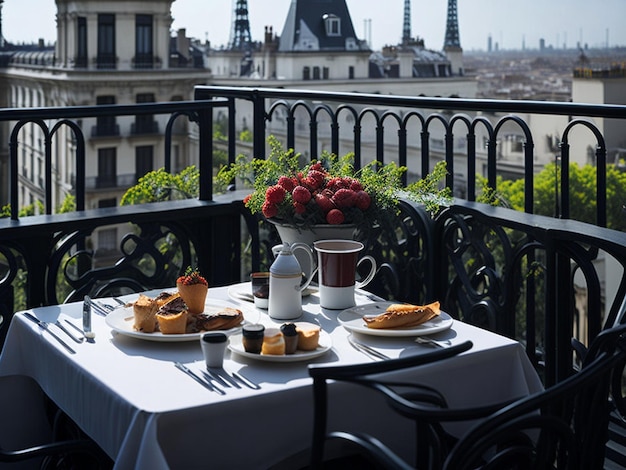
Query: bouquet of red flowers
column 328, row 190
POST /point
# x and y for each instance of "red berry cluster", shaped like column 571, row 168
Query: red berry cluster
column 191, row 277
column 317, row 189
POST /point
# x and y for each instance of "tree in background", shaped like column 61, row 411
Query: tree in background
column 582, row 185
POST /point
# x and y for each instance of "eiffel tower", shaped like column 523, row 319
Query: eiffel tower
column 406, row 25
column 452, row 41
column 240, row 34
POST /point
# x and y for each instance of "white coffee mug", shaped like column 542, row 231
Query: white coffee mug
column 336, row 267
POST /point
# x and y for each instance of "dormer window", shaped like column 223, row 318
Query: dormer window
column 332, row 24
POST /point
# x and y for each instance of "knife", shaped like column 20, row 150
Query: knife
column 97, row 308
column 245, row 381
column 90, row 335
column 44, row 326
column 366, row 349
column 68, row 333
column 190, row 373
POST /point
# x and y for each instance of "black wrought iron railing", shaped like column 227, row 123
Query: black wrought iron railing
column 535, row 278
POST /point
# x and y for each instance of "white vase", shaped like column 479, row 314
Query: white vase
column 292, row 234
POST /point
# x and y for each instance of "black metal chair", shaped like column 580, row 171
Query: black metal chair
column 403, row 397
column 563, row 427
column 34, row 434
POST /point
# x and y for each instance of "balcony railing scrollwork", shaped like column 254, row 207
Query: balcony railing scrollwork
column 535, row 278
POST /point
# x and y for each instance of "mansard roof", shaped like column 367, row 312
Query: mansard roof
column 306, row 27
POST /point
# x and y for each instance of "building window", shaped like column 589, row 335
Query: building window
column 325, row 73
column 107, row 239
column 106, row 41
column 105, row 125
column 109, row 202
column 107, row 168
column 351, row 72
column 316, row 73
column 81, row 42
column 144, row 123
column 143, row 160
column 306, row 73
column 333, row 25
column 143, row 41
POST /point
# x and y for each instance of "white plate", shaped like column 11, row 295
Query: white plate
column 121, row 321
column 243, row 291
column 352, row 319
column 325, row 343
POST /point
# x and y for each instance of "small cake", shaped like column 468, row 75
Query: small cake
column 172, row 323
column 192, row 287
column 172, row 317
column 290, row 335
column 273, row 342
column 165, row 297
column 308, row 336
column 144, row 311
column 252, row 337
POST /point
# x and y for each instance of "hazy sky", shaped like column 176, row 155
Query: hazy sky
column 510, row 23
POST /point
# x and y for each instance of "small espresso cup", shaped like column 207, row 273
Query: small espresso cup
column 260, row 289
column 336, row 270
column 213, row 347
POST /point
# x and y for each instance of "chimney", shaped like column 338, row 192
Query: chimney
column 182, row 43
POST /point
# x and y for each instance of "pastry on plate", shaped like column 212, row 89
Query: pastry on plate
column 193, row 288
column 273, row 342
column 225, row 319
column 308, row 336
column 172, row 317
column 290, row 334
column 144, row 312
column 403, row 316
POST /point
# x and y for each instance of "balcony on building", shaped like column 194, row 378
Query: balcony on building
column 473, row 256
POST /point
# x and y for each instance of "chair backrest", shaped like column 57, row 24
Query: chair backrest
column 563, row 427
column 358, row 373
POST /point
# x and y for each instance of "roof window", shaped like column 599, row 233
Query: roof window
column 332, row 24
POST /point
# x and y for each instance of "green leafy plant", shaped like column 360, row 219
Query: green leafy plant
column 160, row 185
column 328, row 190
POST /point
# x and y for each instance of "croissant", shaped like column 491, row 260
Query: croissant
column 403, row 316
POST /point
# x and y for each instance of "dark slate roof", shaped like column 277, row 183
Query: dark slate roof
column 304, row 28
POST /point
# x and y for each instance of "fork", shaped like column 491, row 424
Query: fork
column 433, row 342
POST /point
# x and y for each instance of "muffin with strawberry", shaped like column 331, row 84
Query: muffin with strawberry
column 192, row 287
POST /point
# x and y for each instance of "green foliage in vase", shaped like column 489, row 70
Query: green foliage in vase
column 328, row 190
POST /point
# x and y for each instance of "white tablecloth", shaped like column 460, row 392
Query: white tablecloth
column 128, row 396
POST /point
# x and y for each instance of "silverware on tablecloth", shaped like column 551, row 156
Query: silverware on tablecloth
column 433, row 342
column 87, row 306
column 222, row 376
column 44, row 326
column 244, row 380
column 96, row 307
column 77, row 328
column 197, row 378
column 367, row 350
column 69, row 333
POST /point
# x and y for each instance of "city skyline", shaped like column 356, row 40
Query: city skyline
column 561, row 23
